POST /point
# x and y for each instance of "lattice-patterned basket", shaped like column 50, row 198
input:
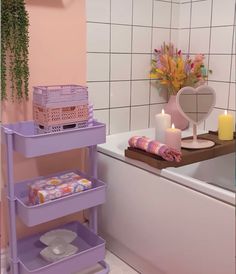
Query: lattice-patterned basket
column 49, row 96
column 46, row 116
column 39, row 129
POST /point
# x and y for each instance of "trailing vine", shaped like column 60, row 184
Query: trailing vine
column 14, row 49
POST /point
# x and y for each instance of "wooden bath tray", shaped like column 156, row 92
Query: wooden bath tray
column 188, row 156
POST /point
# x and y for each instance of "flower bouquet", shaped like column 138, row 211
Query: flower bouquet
column 173, row 71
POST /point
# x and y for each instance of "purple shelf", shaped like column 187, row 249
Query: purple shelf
column 37, row 214
column 26, row 142
column 91, row 251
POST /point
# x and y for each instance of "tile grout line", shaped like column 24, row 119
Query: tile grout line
column 131, row 66
column 134, row 106
column 190, row 25
column 209, row 49
column 147, row 79
column 150, row 53
column 152, row 104
column 171, row 7
column 154, row 27
column 231, row 61
column 109, row 110
column 150, row 81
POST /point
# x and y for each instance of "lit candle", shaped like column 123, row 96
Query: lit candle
column 162, row 122
column 173, row 137
column 225, row 126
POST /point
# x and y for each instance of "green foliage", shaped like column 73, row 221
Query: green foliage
column 14, row 49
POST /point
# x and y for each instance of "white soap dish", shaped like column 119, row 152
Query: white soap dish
column 58, row 243
column 64, row 234
column 51, row 256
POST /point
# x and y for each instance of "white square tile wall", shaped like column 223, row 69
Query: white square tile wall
column 220, row 64
column 98, row 11
column 120, row 94
column 121, row 11
column 142, row 39
column 185, row 12
column 142, row 12
column 221, row 40
column 183, row 40
column 141, row 64
column 223, row 12
column 233, row 72
column 158, row 95
column 97, row 67
column 140, row 92
column 197, row 35
column 175, row 10
column 162, row 14
column 99, row 94
column 119, row 120
column 159, row 35
column 202, row 8
column 98, row 37
column 121, row 36
column 232, row 96
column 174, row 37
column 121, row 39
column 139, row 117
column 120, row 66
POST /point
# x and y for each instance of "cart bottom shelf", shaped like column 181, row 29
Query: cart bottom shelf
column 91, row 250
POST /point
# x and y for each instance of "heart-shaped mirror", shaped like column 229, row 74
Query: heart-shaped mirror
column 196, row 104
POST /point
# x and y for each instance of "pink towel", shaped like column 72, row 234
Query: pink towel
column 154, row 147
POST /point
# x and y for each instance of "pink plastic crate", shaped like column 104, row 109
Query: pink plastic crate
column 59, row 95
column 46, row 116
column 39, row 129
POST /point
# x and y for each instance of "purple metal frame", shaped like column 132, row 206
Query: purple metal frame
column 12, row 203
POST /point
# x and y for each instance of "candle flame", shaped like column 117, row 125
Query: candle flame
column 173, row 126
column 162, row 111
column 226, row 112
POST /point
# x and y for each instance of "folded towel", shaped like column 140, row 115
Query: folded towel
column 155, row 147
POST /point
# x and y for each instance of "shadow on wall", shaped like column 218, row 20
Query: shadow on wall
column 22, row 112
column 51, row 4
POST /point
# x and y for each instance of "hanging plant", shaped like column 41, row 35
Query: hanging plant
column 14, row 49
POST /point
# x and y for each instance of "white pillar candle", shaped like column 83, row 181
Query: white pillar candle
column 173, row 137
column 162, row 122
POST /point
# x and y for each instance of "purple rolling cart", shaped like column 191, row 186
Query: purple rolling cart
column 24, row 253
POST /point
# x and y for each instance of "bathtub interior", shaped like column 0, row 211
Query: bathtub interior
column 219, row 171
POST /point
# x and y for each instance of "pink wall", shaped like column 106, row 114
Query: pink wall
column 57, row 55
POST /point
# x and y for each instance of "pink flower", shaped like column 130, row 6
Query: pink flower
column 199, row 58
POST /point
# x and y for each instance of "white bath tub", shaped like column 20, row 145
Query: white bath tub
column 169, row 221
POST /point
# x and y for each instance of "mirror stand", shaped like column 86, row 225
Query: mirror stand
column 196, row 143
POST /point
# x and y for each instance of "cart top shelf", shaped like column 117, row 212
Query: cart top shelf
column 30, row 144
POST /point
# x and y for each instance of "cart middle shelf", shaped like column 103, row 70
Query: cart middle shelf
column 33, row 215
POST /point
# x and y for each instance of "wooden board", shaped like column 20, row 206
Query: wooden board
column 189, row 156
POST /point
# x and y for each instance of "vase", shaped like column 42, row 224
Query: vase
column 176, row 117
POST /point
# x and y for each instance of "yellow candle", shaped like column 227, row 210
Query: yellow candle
column 225, row 126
